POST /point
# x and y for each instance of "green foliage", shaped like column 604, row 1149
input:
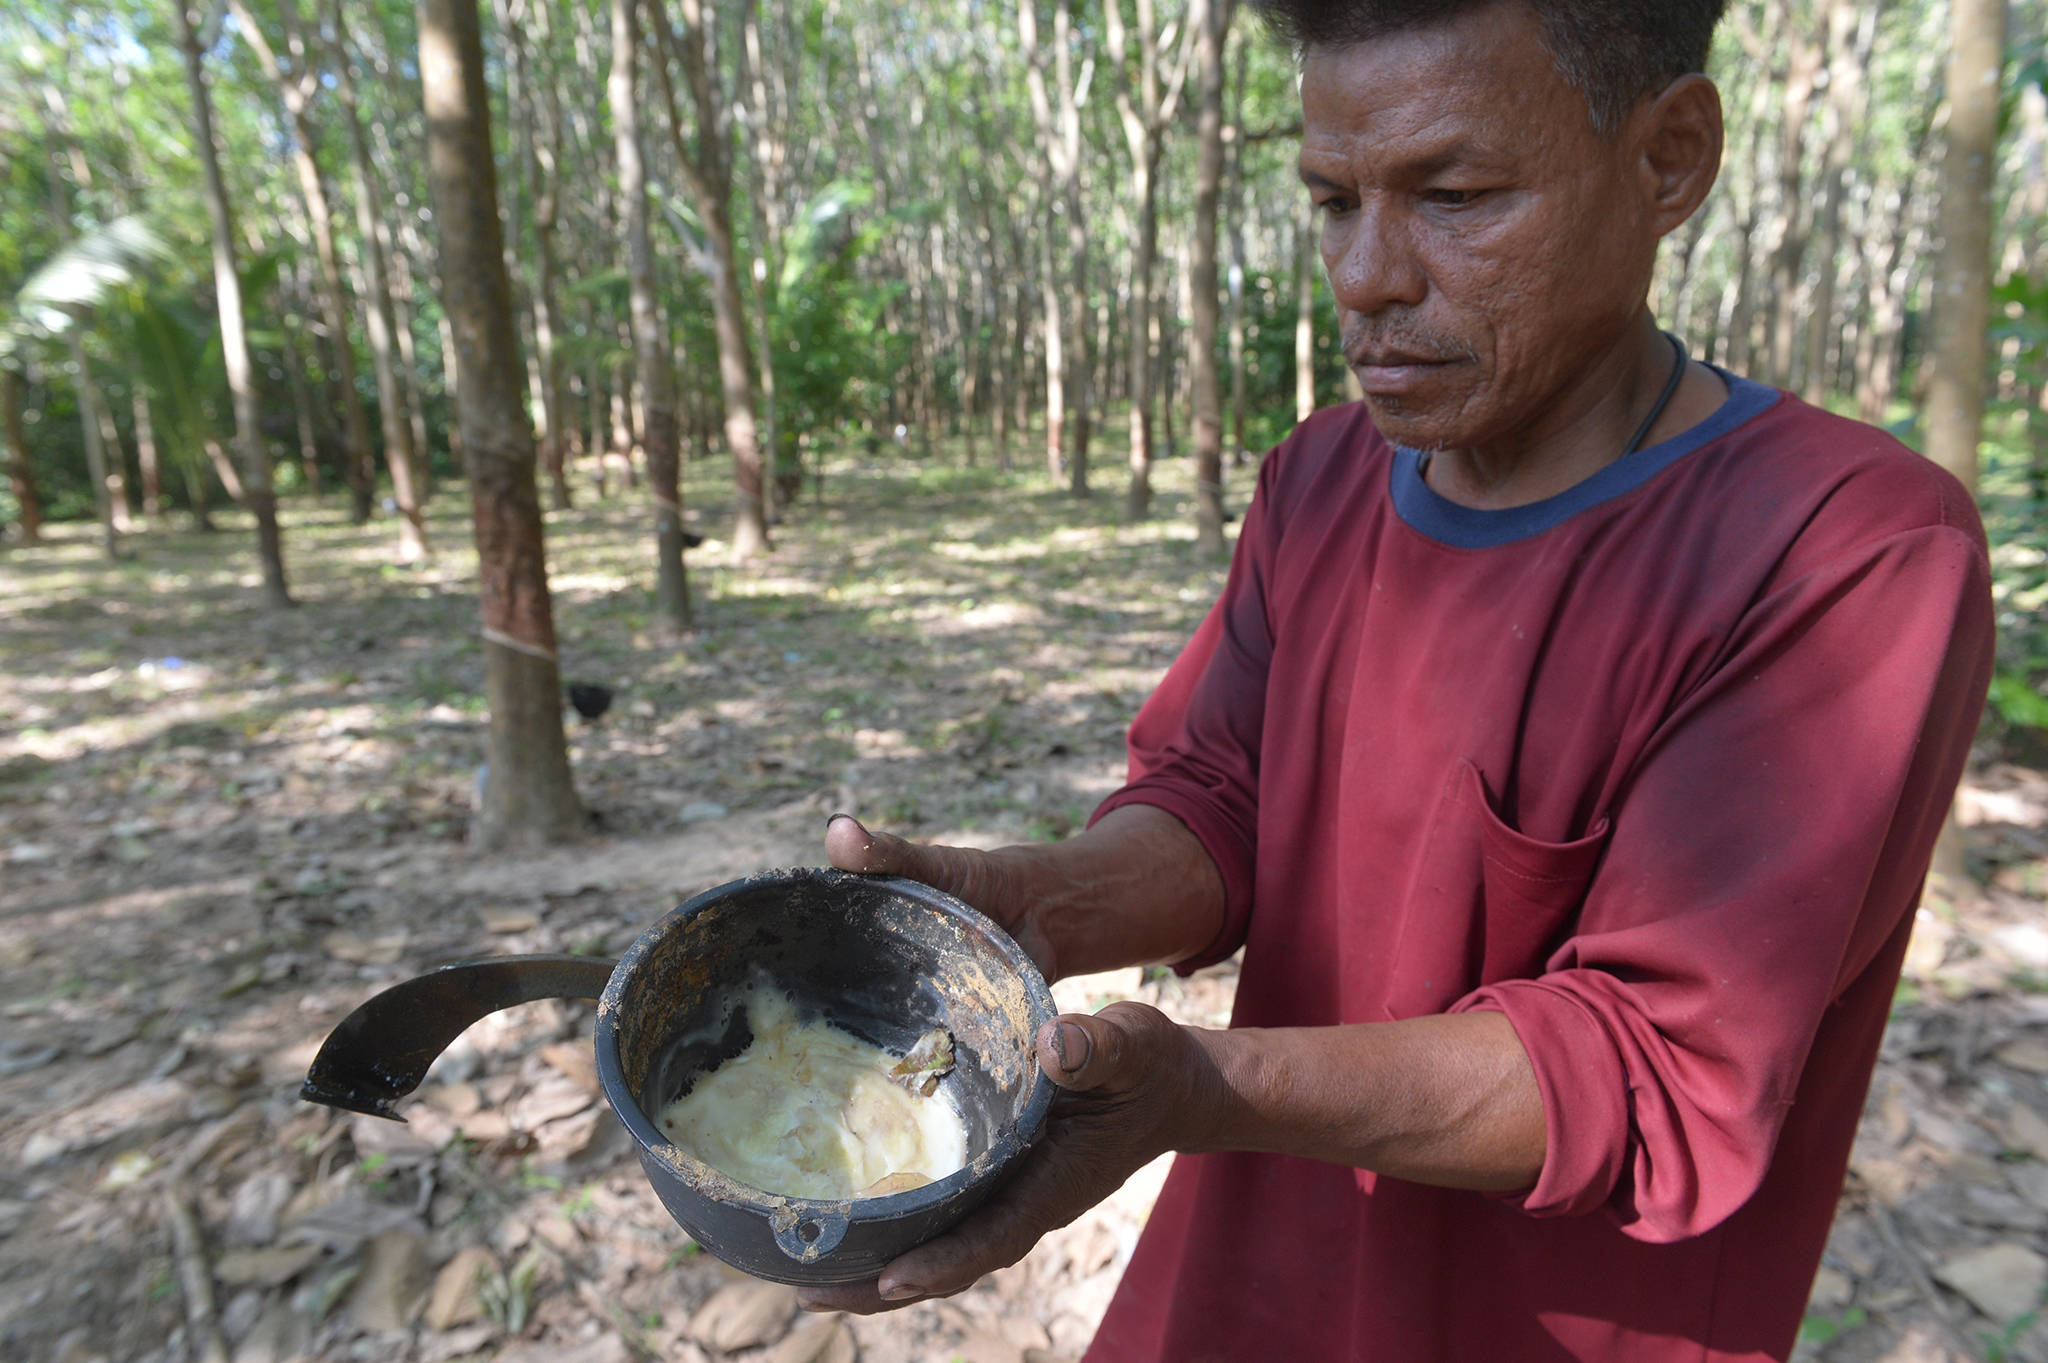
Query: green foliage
column 834, row 352
column 1820, row 1329
column 1271, row 310
column 508, row 1297
column 2018, row 701
column 83, row 275
column 2013, row 492
column 1998, row 1347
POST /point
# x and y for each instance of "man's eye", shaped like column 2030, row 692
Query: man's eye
column 1333, row 207
column 1450, row 198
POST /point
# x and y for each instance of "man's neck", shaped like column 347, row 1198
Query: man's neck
column 1586, row 432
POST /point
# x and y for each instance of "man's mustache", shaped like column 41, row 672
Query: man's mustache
column 1365, row 343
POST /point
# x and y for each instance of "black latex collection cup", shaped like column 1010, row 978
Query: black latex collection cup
column 883, row 958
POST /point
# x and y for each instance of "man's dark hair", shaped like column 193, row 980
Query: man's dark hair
column 1612, row 51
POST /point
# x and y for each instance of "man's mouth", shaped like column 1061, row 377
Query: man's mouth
column 1390, row 373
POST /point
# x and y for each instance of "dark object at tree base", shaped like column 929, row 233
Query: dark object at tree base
column 692, row 540
column 590, row 699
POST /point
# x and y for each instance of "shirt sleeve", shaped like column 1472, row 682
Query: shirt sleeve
column 1194, row 747
column 1765, row 849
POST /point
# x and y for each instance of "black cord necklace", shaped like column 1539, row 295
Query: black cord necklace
column 1635, row 441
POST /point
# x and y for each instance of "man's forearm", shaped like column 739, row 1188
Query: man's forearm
column 1448, row 1100
column 1136, row 889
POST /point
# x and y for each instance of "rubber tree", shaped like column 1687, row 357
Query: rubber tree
column 299, row 80
column 1212, row 18
column 257, row 491
column 104, row 477
column 1146, row 104
column 658, row 434
column 1957, row 373
column 14, row 445
column 706, row 172
column 1068, row 400
column 527, row 792
column 380, row 313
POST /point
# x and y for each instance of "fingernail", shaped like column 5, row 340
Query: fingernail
column 1074, row 1047
column 900, row 1292
column 836, row 816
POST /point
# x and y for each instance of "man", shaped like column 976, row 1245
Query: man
column 1565, row 753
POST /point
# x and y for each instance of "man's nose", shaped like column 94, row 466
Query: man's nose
column 1371, row 258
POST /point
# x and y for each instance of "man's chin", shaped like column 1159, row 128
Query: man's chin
column 1403, row 423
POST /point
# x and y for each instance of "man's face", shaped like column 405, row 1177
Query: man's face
column 1485, row 244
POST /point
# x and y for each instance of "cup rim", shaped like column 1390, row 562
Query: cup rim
column 1011, row 1139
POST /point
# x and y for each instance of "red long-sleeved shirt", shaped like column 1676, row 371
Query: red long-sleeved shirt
column 1654, row 768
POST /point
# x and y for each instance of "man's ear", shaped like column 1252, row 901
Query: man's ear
column 1678, row 137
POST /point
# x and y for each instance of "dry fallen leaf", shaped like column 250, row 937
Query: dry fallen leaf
column 358, row 950
column 742, row 1315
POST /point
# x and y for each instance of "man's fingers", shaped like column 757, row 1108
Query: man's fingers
column 852, row 846
column 1113, row 1049
column 1003, row 1231
column 1000, row 1234
column 967, row 873
column 994, row 1239
column 861, row 1299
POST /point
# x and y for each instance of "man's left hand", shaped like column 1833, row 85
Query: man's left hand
column 1133, row 1084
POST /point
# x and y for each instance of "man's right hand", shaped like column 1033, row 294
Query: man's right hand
column 990, row 881
column 1136, row 888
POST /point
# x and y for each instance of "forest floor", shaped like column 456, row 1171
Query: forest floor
column 221, row 829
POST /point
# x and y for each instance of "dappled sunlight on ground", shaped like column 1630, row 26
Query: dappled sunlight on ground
column 221, row 828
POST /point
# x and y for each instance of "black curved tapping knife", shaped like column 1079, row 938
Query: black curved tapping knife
column 381, row 1051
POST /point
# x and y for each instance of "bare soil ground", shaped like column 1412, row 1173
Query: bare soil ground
column 220, row 829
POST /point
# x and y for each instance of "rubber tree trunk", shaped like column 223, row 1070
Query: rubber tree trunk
column 1794, row 218
column 650, row 337
column 1957, row 380
column 546, row 324
column 107, row 494
column 148, row 458
column 1214, row 21
column 257, row 491
column 302, row 410
column 296, row 89
column 527, row 793
column 736, row 381
column 90, row 431
column 765, row 195
column 28, row 505
column 1237, row 336
column 538, row 119
column 707, row 175
column 382, row 324
column 1145, row 111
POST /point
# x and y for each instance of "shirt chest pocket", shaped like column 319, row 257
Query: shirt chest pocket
column 1485, row 902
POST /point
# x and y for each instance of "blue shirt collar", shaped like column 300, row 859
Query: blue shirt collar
column 1465, row 527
